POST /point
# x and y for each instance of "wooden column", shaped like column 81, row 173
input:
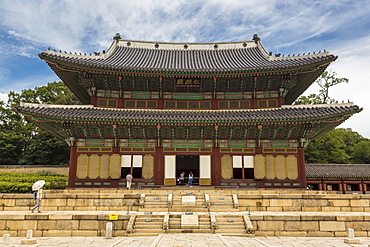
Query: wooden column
column 72, row 166
column 216, row 166
column 364, row 186
column 302, row 168
column 159, row 167
column 94, row 100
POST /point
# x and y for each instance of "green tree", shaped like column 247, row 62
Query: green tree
column 21, row 141
column 325, row 81
column 350, row 138
column 320, row 150
column 361, row 152
column 327, row 149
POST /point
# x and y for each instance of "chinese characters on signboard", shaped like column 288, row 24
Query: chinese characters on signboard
column 187, row 82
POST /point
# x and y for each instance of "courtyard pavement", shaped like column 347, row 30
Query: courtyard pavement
column 189, row 240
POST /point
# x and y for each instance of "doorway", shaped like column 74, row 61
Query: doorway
column 187, row 164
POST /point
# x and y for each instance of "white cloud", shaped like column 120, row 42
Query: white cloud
column 290, row 26
column 3, row 97
column 71, row 25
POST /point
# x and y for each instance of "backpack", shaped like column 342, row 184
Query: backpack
column 35, row 195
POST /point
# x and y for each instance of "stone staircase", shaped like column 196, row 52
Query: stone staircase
column 204, row 225
column 230, row 224
column 222, row 203
column 148, row 225
column 178, row 206
column 157, row 202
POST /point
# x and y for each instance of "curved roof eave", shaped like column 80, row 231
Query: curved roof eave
column 228, row 58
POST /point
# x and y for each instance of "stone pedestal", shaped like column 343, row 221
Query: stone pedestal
column 29, row 239
column 6, row 239
column 189, row 222
column 351, row 237
column 188, row 200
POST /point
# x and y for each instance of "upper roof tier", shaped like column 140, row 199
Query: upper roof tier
column 172, row 59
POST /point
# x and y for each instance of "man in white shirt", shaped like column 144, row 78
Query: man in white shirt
column 128, row 181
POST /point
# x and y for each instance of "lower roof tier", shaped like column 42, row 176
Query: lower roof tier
column 338, row 170
column 288, row 122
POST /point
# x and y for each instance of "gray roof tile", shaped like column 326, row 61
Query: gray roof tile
column 188, row 60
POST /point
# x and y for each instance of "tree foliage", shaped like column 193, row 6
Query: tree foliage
column 361, row 152
column 339, row 146
column 22, row 142
column 325, row 81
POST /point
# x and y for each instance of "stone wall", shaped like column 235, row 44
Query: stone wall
column 305, row 203
column 310, row 225
column 61, row 225
column 71, row 202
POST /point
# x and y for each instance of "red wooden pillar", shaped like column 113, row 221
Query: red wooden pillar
column 159, row 166
column 302, row 168
column 216, row 166
column 94, row 100
column 364, row 187
column 72, row 166
column 320, row 186
column 344, row 187
column 281, row 101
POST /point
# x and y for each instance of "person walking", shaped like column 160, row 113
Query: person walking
column 191, row 176
column 128, row 181
column 38, row 201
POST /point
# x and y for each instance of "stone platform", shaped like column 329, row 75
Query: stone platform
column 92, row 223
column 82, row 213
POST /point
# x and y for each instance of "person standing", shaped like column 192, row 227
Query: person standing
column 182, row 178
column 191, row 176
column 38, row 201
column 128, row 181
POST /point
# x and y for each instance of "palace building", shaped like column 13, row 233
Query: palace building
column 222, row 111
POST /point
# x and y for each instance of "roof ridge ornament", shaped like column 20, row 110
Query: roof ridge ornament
column 256, row 38
column 117, row 37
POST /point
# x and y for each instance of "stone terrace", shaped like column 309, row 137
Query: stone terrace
column 293, row 213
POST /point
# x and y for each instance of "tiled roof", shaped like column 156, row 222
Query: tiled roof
column 286, row 113
column 195, row 58
column 338, row 170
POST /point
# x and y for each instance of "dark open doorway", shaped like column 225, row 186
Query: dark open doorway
column 187, row 164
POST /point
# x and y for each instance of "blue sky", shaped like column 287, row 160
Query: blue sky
column 287, row 26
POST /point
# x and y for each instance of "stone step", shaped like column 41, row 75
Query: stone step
column 143, row 223
column 155, row 203
column 189, row 210
column 230, row 231
column 189, row 231
column 153, row 209
column 149, row 227
column 214, row 209
column 152, row 217
column 230, row 227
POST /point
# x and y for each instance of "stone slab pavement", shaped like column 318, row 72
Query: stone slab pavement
column 189, row 240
